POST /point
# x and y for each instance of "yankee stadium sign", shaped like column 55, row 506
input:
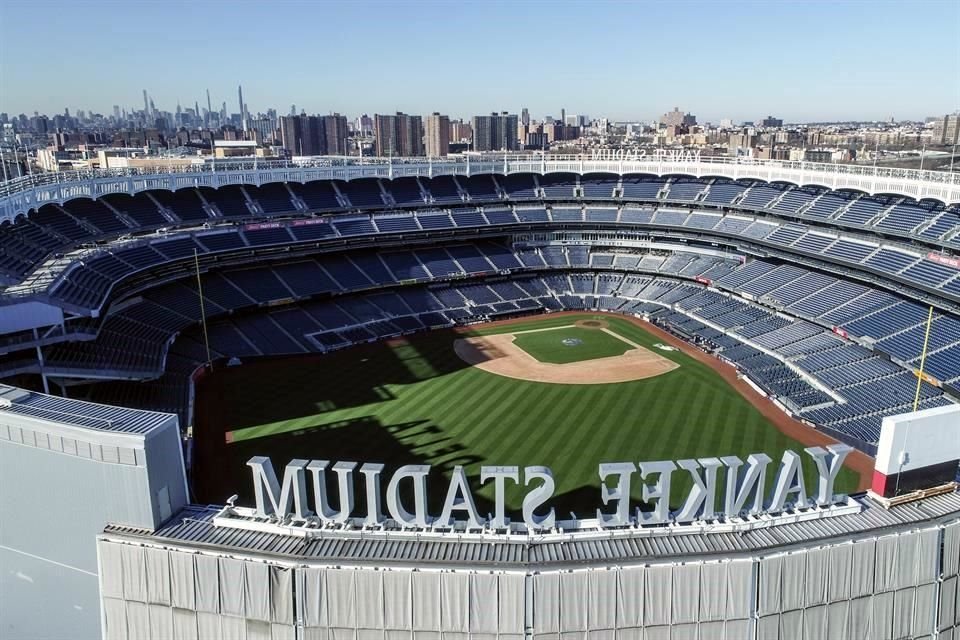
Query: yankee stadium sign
column 743, row 491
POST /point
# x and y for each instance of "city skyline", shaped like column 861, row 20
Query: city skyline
column 598, row 70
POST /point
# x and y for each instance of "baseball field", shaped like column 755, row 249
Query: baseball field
column 530, row 392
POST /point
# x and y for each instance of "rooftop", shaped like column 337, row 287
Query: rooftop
column 78, row 413
column 194, row 527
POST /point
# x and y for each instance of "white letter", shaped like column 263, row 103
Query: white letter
column 536, row 497
column 789, row 480
column 344, row 471
column 459, row 498
column 620, row 493
column 659, row 492
column 372, row 472
column 418, row 473
column 738, row 489
column 294, row 488
column 499, row 475
column 828, row 473
column 703, row 496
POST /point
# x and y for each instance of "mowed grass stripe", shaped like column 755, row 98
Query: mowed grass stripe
column 688, row 412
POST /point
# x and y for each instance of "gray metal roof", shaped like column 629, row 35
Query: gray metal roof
column 193, row 527
column 78, row 413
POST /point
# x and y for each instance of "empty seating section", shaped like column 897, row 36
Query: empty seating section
column 793, row 200
column 406, row 192
column 684, row 190
column 480, row 188
column 813, row 242
column 139, row 208
column 443, row 190
column 404, row 265
column 849, row 250
column 318, row 195
column 345, row 272
column 95, row 213
column 330, row 300
column 438, row 262
column 396, row 223
column 904, row 218
column 314, row 229
column 230, row 201
column 468, row 218
column 306, row 278
column 861, row 211
column 520, row 186
column 273, row 198
column 265, row 236
column 724, row 193
column 435, row 221
column 642, row 187
column 598, row 214
column 598, row 186
column 890, row 260
column 499, row 216
column 828, row 205
column 470, row 259
column 354, row 226
column 566, row 214
column 532, row 214
column 558, row 186
column 185, row 204
column 61, row 223
column 760, row 196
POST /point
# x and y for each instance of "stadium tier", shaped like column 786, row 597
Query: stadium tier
column 784, row 279
column 826, row 301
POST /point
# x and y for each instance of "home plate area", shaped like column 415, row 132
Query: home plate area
column 587, row 352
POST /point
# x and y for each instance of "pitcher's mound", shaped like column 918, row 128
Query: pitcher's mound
column 498, row 354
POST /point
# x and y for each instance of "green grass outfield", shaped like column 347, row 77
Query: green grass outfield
column 548, row 346
column 418, row 403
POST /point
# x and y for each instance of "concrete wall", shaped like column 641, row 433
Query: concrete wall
column 59, row 487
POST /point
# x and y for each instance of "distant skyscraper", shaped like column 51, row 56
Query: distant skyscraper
column 209, row 110
column 495, row 132
column 243, row 107
column 438, row 135
column 146, row 105
column 461, row 131
column 677, row 118
column 525, row 117
column 398, row 135
column 305, row 135
column 946, row 130
column 334, row 135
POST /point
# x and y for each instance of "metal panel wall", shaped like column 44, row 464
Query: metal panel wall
column 896, row 586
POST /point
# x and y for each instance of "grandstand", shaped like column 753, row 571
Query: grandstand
column 776, row 278
column 816, row 291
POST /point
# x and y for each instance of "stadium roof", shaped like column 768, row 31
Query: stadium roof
column 193, row 527
column 77, row 413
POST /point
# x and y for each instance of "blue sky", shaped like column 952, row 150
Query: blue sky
column 803, row 61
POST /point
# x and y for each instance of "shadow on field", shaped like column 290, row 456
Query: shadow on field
column 265, row 390
column 364, row 440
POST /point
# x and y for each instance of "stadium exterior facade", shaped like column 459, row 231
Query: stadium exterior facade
column 20, row 195
column 864, row 569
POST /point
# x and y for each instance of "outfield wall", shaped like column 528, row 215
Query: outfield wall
column 896, row 583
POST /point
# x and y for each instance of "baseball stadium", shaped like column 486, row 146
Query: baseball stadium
column 481, row 397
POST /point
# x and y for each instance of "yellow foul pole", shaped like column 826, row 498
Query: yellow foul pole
column 923, row 359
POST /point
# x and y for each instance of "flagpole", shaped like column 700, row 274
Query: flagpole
column 923, row 358
column 203, row 313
